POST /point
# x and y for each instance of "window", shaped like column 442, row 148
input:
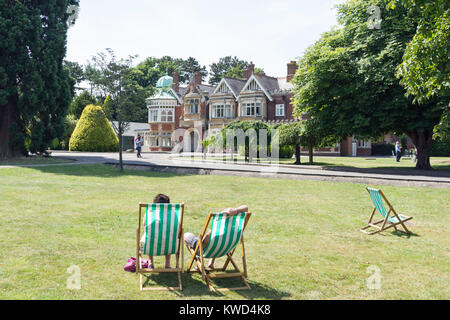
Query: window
column 251, row 109
column 218, row 111
column 161, row 114
column 169, row 116
column 193, row 106
column 364, row 144
column 227, row 111
column 154, row 115
column 279, row 110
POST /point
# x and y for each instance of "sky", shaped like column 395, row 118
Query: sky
column 268, row 32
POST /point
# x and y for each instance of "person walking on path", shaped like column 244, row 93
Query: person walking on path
column 398, row 151
column 138, row 142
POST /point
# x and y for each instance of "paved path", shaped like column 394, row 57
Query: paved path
column 170, row 163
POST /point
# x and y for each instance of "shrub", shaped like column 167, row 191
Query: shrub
column 441, row 148
column 80, row 102
column 93, row 132
column 286, row 152
column 382, row 149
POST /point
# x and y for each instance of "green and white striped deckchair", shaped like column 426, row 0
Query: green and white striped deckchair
column 225, row 234
column 161, row 236
column 390, row 217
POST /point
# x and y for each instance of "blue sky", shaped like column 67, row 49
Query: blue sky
column 268, row 32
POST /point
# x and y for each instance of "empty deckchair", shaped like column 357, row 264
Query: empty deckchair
column 226, row 233
column 390, row 217
column 161, row 236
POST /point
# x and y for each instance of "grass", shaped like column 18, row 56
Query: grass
column 438, row 163
column 302, row 241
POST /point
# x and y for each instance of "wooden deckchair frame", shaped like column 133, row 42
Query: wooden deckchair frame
column 207, row 275
column 141, row 271
column 386, row 224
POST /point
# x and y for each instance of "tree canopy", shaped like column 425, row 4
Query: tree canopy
column 125, row 98
column 227, row 66
column 34, row 85
column 347, row 79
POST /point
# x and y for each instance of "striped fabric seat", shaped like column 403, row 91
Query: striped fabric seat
column 379, row 205
column 162, row 224
column 226, row 232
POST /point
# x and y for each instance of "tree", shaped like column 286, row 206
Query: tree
column 226, row 66
column 424, row 70
column 76, row 75
column 125, row 97
column 34, row 85
column 243, row 136
column 93, row 132
column 291, row 135
column 80, row 102
column 151, row 69
column 347, row 79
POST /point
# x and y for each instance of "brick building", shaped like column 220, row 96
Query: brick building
column 254, row 97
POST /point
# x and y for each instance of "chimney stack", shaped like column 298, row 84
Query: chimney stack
column 291, row 69
column 198, row 78
column 176, row 81
column 250, row 70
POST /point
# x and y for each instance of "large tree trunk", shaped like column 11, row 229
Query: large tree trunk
column 297, row 155
column 311, row 153
column 8, row 116
column 120, row 150
column 423, row 141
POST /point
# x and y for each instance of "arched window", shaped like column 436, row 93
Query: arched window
column 169, row 116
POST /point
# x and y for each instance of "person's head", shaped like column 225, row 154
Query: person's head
column 161, row 198
column 398, row 142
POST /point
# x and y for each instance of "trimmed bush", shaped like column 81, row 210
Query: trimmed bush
column 382, row 149
column 93, row 132
column 286, row 152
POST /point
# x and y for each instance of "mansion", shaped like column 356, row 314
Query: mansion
column 199, row 107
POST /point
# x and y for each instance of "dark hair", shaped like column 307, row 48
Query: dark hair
column 161, row 198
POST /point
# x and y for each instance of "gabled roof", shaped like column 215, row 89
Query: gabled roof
column 267, row 84
column 235, row 85
column 206, row 88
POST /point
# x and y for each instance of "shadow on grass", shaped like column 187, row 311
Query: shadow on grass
column 437, row 171
column 194, row 286
column 403, row 234
column 102, row 171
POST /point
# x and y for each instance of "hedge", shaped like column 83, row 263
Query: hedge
column 382, row 149
column 93, row 132
column 441, row 148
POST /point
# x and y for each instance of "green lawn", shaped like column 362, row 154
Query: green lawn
column 438, row 163
column 302, row 242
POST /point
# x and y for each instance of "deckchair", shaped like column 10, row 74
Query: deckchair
column 390, row 218
column 161, row 236
column 226, row 233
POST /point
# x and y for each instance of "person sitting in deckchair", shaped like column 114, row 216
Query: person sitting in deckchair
column 160, row 198
column 191, row 240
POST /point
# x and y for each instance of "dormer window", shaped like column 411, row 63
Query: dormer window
column 193, row 106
